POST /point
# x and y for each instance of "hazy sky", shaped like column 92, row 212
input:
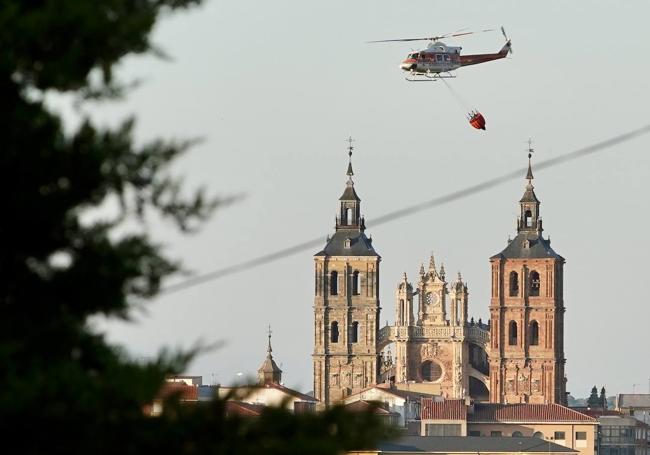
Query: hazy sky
column 275, row 88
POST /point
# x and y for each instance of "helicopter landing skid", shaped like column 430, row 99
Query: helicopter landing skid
column 429, row 77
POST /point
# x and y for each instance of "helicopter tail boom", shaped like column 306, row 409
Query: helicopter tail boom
column 466, row 60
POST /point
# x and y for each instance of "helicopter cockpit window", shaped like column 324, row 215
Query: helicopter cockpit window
column 438, row 58
column 416, row 55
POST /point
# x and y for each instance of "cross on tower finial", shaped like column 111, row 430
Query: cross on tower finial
column 530, row 150
column 270, row 332
column 349, row 140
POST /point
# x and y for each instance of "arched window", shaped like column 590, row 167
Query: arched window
column 512, row 333
column 534, row 283
column 354, row 332
column 538, row 435
column 348, row 216
column 402, row 311
column 517, row 434
column 514, row 284
column 334, row 283
column 534, row 333
column 334, row 332
column 528, row 217
column 355, row 283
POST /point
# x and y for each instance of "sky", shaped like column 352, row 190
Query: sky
column 275, row 88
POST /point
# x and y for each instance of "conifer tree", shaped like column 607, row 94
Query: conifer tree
column 60, row 378
column 593, row 401
column 603, row 398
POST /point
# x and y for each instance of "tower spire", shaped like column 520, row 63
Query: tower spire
column 529, row 220
column 350, row 203
column 350, row 173
column 269, row 372
column 530, row 150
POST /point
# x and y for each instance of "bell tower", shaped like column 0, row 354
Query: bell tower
column 346, row 304
column 526, row 354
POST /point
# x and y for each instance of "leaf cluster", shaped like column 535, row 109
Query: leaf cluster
column 58, row 267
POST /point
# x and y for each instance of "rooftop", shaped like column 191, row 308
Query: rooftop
column 446, row 444
column 444, row 410
column 360, row 245
column 529, row 245
column 484, row 412
column 633, row 400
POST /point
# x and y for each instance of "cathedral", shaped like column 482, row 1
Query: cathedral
column 517, row 357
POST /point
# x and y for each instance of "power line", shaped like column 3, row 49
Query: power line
column 406, row 211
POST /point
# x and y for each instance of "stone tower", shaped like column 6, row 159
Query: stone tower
column 526, row 354
column 346, row 304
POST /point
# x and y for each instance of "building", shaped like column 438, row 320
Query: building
column 245, row 400
column 346, row 305
column 552, row 423
column 405, row 403
column 437, row 345
column 636, row 405
column 526, row 352
column 454, row 445
column 620, row 434
column 269, row 390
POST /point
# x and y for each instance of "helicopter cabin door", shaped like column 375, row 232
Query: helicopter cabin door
column 443, row 62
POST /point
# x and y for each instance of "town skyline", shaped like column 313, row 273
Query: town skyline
column 299, row 160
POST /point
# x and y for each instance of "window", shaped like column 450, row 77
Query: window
column 430, row 371
column 354, row 332
column 443, row 429
column 474, row 433
column 348, row 216
column 439, row 58
column 334, row 332
column 528, row 217
column 495, row 434
column 534, row 333
column 512, row 333
column 334, row 283
column 581, row 439
column 355, row 283
column 514, row 284
column 517, row 434
column 534, row 283
column 538, row 435
column 559, row 436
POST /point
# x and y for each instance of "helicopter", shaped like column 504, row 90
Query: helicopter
column 438, row 60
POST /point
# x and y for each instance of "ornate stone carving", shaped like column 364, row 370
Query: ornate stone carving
column 429, row 350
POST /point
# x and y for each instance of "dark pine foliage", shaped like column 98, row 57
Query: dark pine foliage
column 61, row 380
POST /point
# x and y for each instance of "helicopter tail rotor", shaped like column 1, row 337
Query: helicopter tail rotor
column 503, row 31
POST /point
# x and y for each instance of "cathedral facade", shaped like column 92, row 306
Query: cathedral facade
column 434, row 344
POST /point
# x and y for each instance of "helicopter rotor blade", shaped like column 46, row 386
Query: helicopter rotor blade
column 432, row 38
column 468, row 33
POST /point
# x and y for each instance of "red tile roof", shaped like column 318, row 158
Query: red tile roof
column 443, row 410
column 293, row 393
column 243, row 409
column 185, row 392
column 362, row 405
column 526, row 413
